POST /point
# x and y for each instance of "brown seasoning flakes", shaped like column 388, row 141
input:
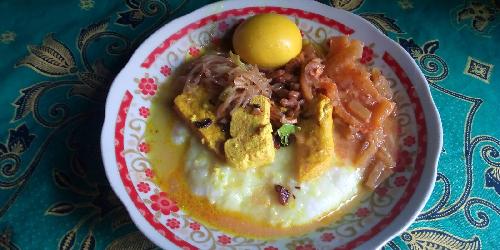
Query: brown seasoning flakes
column 283, row 194
column 203, row 123
column 256, row 110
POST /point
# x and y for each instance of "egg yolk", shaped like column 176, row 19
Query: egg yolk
column 267, row 40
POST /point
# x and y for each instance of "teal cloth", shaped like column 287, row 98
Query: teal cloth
column 53, row 191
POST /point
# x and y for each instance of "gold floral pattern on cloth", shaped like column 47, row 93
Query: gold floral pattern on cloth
column 5, row 240
column 405, row 4
column 427, row 238
column 87, row 4
column 7, row 37
column 52, row 58
column 480, row 15
column 55, row 93
column 134, row 240
column 478, row 69
column 382, row 22
column 348, row 5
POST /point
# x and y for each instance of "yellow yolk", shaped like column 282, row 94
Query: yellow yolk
column 267, row 40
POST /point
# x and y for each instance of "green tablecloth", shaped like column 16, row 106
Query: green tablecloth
column 53, row 191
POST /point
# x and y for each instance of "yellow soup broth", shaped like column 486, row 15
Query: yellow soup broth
column 243, row 202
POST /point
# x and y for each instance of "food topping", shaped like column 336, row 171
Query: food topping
column 312, row 89
column 256, row 110
column 315, row 140
column 194, row 108
column 362, row 100
column 283, row 194
column 255, row 105
column 234, row 86
column 252, row 142
column 276, row 140
column 285, row 131
column 267, row 40
column 224, row 126
column 203, row 123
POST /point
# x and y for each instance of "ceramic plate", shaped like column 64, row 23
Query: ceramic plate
column 378, row 218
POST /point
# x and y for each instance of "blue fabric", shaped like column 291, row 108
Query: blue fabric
column 53, row 191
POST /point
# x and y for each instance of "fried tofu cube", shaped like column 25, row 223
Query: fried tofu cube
column 195, row 108
column 252, row 142
column 314, row 153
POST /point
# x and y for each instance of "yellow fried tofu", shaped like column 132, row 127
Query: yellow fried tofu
column 195, row 108
column 315, row 140
column 252, row 143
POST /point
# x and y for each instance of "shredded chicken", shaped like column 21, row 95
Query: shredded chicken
column 237, row 85
column 210, row 70
column 243, row 85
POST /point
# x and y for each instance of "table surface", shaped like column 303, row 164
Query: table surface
column 53, row 191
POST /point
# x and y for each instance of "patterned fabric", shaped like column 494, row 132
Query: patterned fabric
column 59, row 58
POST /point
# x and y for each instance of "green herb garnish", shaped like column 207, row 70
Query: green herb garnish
column 235, row 58
column 285, row 131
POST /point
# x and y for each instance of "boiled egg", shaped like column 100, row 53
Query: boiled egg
column 267, row 40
